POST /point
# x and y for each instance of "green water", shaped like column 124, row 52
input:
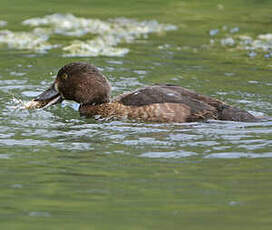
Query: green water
column 62, row 171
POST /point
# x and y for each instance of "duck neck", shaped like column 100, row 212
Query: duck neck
column 92, row 109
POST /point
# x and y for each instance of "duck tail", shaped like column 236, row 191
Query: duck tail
column 230, row 113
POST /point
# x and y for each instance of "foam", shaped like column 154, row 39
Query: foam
column 37, row 40
column 107, row 34
column 262, row 43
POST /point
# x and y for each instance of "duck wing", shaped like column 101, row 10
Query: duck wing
column 171, row 94
column 201, row 107
column 165, row 93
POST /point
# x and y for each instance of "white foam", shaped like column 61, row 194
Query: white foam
column 69, row 25
column 35, row 40
column 227, row 41
column 93, row 48
column 265, row 37
column 262, row 42
column 108, row 34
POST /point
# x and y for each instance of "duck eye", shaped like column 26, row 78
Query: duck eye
column 64, row 76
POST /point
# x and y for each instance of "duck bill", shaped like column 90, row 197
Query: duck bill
column 49, row 97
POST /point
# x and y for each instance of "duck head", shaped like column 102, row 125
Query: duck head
column 80, row 82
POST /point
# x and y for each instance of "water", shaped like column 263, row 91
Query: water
column 63, row 171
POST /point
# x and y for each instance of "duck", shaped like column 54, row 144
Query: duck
column 86, row 85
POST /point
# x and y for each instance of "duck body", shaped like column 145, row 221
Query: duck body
column 84, row 84
column 165, row 103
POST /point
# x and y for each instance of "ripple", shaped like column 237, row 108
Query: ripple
column 39, row 214
column 146, row 142
column 174, row 154
column 55, row 128
column 235, row 155
column 3, row 23
column 4, row 156
column 23, row 142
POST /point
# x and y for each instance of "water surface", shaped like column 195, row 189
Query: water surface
column 63, row 171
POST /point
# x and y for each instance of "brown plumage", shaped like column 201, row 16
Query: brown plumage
column 164, row 112
column 84, row 84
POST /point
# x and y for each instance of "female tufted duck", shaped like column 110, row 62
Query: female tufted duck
column 84, row 84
